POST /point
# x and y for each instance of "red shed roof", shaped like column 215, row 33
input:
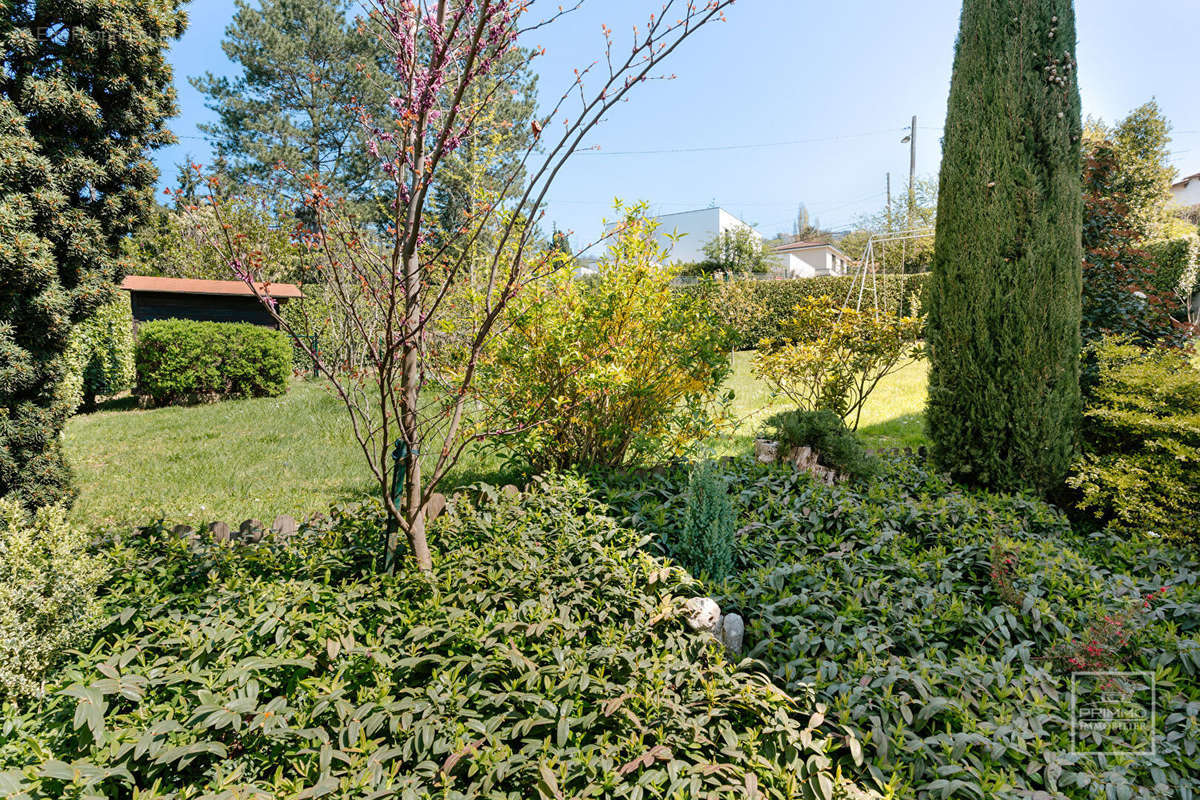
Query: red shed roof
column 146, row 283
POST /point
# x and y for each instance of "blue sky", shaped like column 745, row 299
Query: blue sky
column 837, row 82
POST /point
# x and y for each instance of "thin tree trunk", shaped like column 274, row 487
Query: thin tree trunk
column 411, row 387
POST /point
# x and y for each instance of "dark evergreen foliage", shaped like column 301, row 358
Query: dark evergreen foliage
column 304, row 63
column 84, row 94
column 1004, row 300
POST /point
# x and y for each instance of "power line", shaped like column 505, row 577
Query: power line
column 755, row 145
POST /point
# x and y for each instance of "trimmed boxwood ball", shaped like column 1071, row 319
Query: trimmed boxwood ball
column 184, row 361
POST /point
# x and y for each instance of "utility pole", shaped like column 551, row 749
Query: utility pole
column 912, row 168
column 889, row 202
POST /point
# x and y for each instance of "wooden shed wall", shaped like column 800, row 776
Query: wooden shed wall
column 202, row 307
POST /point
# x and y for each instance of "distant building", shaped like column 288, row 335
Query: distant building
column 695, row 229
column 811, row 259
column 1187, row 191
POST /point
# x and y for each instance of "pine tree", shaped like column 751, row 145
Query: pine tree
column 1004, row 305
column 304, row 63
column 84, row 94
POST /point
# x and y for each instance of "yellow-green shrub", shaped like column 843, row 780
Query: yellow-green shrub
column 612, row 369
column 833, row 358
column 47, row 594
column 1140, row 466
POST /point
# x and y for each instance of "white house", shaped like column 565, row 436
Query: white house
column 810, row 259
column 695, row 229
column 1187, row 190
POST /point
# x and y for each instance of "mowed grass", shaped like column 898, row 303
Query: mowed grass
column 893, row 416
column 295, row 454
column 225, row 461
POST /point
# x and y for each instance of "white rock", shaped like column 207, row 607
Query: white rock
column 703, row 613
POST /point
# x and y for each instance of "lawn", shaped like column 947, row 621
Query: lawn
column 294, row 454
column 894, row 415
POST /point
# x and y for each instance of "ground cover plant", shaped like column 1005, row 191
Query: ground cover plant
column 943, row 625
column 545, row 657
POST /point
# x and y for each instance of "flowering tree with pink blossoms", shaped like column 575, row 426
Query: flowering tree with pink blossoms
column 424, row 325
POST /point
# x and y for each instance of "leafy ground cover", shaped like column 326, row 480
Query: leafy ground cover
column 294, row 454
column 944, row 626
column 545, row 657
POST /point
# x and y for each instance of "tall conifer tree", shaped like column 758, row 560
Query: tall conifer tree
column 302, row 63
column 85, row 92
column 1004, row 307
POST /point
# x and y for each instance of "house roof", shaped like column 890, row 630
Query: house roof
column 1184, row 181
column 795, row 246
column 147, row 283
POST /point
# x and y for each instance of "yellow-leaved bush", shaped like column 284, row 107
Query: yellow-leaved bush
column 833, row 358
column 610, row 369
column 48, row 600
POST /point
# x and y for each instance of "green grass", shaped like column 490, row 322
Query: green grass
column 295, row 454
column 225, row 461
column 894, row 415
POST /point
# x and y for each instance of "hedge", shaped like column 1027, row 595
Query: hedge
column 781, row 296
column 99, row 357
column 1176, row 266
column 183, row 361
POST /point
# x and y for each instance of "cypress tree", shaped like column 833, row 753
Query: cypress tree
column 1004, row 305
column 85, row 91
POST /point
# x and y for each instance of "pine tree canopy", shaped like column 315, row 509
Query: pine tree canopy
column 303, row 63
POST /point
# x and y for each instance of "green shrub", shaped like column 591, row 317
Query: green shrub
column 778, row 298
column 833, row 358
column 182, row 361
column 836, row 445
column 614, row 370
column 1177, row 270
column 546, row 656
column 940, row 624
column 47, row 595
column 99, row 356
column 1004, row 297
column 706, row 539
column 1140, row 466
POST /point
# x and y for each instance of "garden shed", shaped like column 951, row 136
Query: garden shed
column 207, row 301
